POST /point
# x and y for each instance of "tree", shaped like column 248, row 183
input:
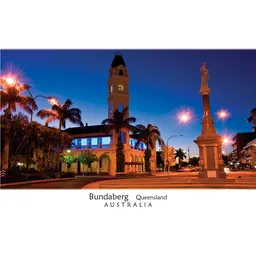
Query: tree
column 194, row 161
column 117, row 123
column 168, row 160
column 225, row 159
column 181, row 155
column 69, row 159
column 33, row 143
column 87, row 158
column 11, row 97
column 252, row 119
column 149, row 135
column 62, row 113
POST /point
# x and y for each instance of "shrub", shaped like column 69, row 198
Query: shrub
column 36, row 176
column 67, row 175
column 13, row 171
column 28, row 171
column 11, row 179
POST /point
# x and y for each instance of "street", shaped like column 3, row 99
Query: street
column 77, row 183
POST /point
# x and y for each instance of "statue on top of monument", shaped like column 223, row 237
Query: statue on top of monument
column 205, row 73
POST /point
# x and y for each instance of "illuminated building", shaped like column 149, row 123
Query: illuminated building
column 103, row 145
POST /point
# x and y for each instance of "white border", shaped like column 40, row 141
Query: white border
column 198, row 222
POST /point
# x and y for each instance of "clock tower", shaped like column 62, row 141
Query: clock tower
column 118, row 86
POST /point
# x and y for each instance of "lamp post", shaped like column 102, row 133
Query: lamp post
column 49, row 98
column 167, row 149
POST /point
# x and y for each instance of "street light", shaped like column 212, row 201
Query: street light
column 50, row 99
column 186, row 116
column 167, row 148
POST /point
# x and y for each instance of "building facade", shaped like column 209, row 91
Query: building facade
column 248, row 155
column 239, row 142
column 103, row 144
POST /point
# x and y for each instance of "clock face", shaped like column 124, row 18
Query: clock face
column 120, row 87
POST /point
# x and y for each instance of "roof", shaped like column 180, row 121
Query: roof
column 118, row 60
column 243, row 138
column 94, row 129
column 86, row 129
column 245, row 135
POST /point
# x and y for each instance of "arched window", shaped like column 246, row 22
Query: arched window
column 121, row 73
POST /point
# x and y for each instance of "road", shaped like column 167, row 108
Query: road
column 77, row 183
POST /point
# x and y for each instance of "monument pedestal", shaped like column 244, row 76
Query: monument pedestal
column 211, row 163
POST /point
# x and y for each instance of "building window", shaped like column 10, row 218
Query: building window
column 121, row 72
column 105, row 140
column 123, row 137
column 89, row 142
column 100, row 142
column 120, row 107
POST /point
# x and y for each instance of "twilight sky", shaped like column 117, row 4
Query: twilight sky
column 162, row 82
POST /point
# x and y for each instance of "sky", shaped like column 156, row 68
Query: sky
column 162, row 82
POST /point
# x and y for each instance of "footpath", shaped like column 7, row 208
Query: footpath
column 238, row 180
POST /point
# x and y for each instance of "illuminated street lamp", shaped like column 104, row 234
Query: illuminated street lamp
column 223, row 114
column 53, row 101
column 10, row 80
column 226, row 140
column 186, row 116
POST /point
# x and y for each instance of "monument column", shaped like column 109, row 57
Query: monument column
column 209, row 142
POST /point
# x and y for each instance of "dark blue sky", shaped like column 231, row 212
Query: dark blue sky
column 162, row 82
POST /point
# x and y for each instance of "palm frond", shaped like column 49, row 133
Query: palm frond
column 47, row 113
column 4, row 99
column 141, row 126
column 130, row 120
column 50, row 119
column 22, row 87
column 67, row 104
column 56, row 108
column 109, row 121
column 75, row 111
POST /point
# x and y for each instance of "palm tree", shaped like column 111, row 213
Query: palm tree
column 149, row 135
column 62, row 113
column 11, row 97
column 252, row 119
column 117, row 123
column 180, row 154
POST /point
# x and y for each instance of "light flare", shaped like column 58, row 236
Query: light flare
column 226, row 140
column 185, row 116
column 53, row 101
column 10, row 80
column 223, row 114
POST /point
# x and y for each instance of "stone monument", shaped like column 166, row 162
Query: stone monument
column 209, row 142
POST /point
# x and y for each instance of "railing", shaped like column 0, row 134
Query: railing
column 90, row 147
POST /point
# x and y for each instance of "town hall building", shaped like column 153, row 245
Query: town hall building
column 103, row 144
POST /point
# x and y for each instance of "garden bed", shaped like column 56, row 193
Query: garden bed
column 15, row 175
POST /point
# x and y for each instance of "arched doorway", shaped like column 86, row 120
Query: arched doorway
column 139, row 166
column 136, row 166
column 104, row 163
